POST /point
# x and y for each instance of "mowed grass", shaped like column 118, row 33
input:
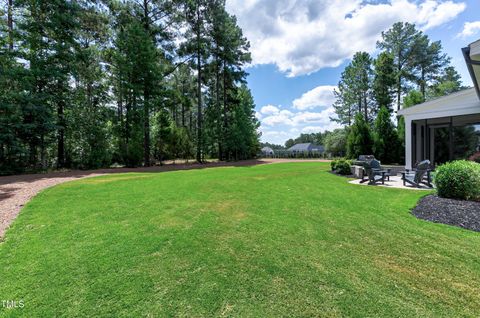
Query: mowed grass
column 272, row 240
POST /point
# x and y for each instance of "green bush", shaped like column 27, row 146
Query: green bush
column 333, row 164
column 343, row 167
column 458, row 180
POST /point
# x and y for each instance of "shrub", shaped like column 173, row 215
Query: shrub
column 458, row 180
column 343, row 167
column 333, row 164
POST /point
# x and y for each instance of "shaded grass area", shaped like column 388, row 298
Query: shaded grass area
column 273, row 240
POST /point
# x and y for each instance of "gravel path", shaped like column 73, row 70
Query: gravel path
column 460, row 213
column 16, row 191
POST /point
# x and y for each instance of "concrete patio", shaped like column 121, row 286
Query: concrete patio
column 395, row 182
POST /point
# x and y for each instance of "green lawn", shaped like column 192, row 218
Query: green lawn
column 272, row 240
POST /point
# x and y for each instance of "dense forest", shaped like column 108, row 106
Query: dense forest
column 91, row 83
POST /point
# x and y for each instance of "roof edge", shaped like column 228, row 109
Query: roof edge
column 436, row 100
column 468, row 60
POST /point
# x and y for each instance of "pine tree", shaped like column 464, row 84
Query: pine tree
column 399, row 41
column 359, row 141
column 88, row 134
column 448, row 82
column 385, row 138
column 344, row 105
column 384, row 80
column 354, row 93
column 197, row 47
column 428, row 61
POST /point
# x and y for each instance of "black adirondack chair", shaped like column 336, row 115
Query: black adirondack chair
column 374, row 172
column 417, row 177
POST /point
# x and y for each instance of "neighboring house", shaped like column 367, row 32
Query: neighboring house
column 307, row 147
column 267, row 151
column 446, row 128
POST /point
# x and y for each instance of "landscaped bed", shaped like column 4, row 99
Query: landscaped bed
column 271, row 240
column 460, row 213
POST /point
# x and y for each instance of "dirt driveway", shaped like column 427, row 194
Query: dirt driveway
column 16, row 191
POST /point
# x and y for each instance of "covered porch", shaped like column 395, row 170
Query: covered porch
column 446, row 128
column 443, row 129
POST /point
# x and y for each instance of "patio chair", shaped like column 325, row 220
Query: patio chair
column 374, row 172
column 416, row 177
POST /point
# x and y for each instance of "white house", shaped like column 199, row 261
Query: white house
column 446, row 128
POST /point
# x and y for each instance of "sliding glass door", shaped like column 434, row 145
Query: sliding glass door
column 444, row 139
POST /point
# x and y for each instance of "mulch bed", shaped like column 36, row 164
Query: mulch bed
column 465, row 214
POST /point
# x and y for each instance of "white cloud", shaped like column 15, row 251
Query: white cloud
column 303, row 36
column 269, row 109
column 317, row 97
column 287, row 118
column 316, row 129
column 322, row 117
column 283, row 117
column 469, row 29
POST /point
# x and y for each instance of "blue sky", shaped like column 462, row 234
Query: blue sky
column 300, row 48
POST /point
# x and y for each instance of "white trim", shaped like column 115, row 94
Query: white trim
column 461, row 103
column 447, row 113
column 408, row 143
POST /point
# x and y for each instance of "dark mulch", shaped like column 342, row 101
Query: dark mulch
column 460, row 213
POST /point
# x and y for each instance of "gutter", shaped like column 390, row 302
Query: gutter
column 470, row 63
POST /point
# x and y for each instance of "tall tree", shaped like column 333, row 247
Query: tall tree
column 399, row 41
column 344, row 102
column 428, row 62
column 88, row 131
column 10, row 24
column 385, row 138
column 448, row 82
column 197, row 47
column 354, row 93
column 359, row 141
column 87, row 83
column 384, row 80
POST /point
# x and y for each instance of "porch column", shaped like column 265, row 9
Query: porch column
column 408, row 143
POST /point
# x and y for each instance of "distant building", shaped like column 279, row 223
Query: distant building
column 306, row 147
column 267, row 151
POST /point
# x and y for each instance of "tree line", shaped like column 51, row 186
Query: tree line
column 87, row 84
column 409, row 70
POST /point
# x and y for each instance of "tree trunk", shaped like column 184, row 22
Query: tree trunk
column 422, row 83
column 61, row 134
column 183, row 104
column 146, row 127
column 225, row 117
column 199, row 90
column 10, row 24
column 146, row 97
column 399, row 79
column 365, row 107
column 219, row 116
